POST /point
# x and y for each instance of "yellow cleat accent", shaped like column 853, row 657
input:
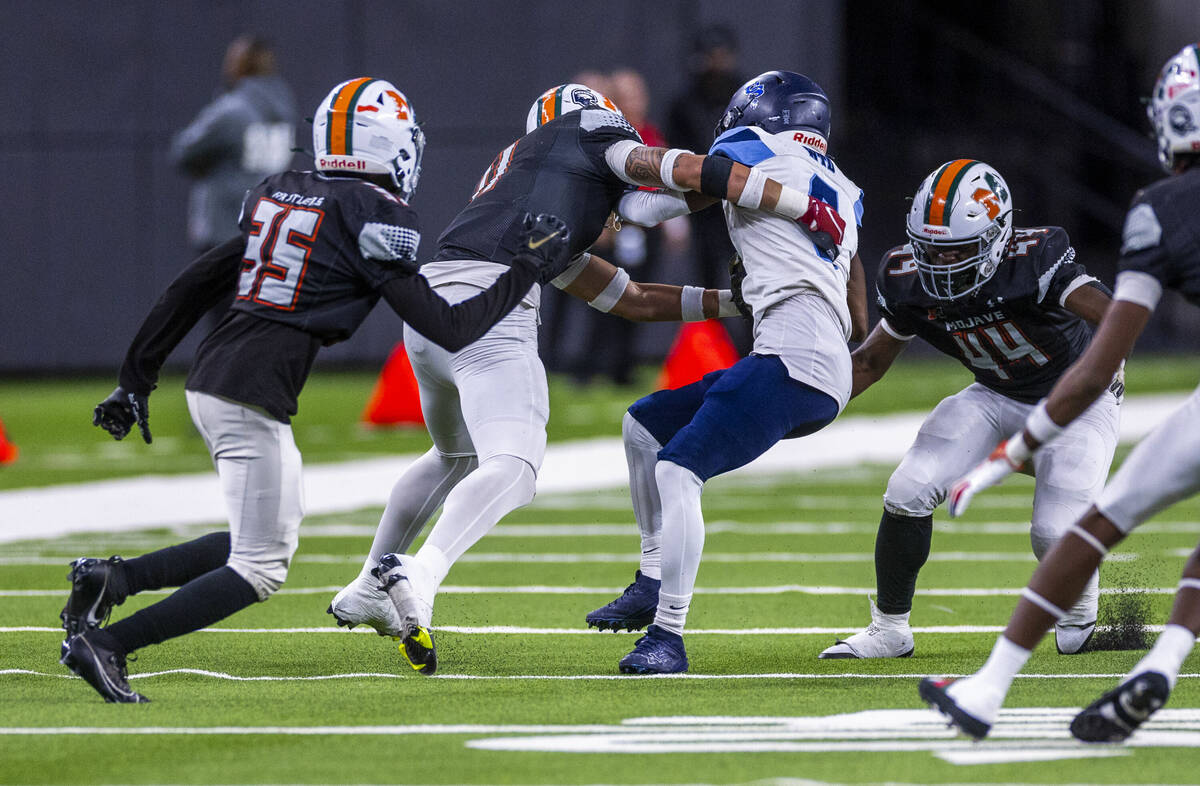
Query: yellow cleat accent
column 418, row 649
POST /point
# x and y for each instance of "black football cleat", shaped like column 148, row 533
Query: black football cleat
column 92, row 656
column 634, row 610
column 96, row 586
column 934, row 694
column 1118, row 713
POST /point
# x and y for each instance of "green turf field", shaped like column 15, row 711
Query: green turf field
column 524, row 694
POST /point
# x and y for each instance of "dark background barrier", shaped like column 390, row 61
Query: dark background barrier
column 94, row 214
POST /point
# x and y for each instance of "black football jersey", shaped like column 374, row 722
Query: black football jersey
column 317, row 248
column 1161, row 235
column 1013, row 334
column 557, row 168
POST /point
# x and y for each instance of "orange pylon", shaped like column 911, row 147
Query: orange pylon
column 396, row 399
column 699, row 348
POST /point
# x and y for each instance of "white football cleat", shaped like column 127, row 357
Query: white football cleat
column 361, row 602
column 888, row 636
column 411, row 591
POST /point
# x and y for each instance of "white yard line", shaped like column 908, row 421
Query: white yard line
column 560, row 677
column 164, row 501
column 492, row 630
column 542, row 589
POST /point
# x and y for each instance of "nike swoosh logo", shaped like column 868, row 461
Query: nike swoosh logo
column 676, row 608
column 537, row 243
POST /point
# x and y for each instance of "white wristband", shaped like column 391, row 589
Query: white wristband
column 611, row 293
column 752, row 192
column 691, row 302
column 1040, row 426
column 1016, row 450
column 573, row 270
column 725, row 305
column 792, row 204
column 666, row 170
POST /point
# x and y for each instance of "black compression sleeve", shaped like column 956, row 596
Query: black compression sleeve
column 714, row 176
column 453, row 327
column 198, row 288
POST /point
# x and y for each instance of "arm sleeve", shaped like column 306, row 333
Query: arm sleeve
column 650, row 208
column 453, row 327
column 197, row 289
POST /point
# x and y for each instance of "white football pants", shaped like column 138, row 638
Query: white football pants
column 485, row 407
column 259, row 466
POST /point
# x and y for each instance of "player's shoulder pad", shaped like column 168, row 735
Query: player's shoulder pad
column 602, row 119
column 743, row 145
column 897, row 273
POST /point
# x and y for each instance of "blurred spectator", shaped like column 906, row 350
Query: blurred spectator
column 691, row 121
column 246, row 133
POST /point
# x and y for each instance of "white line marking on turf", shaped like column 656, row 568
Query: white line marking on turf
column 574, row 466
column 517, row 630
column 565, row 677
column 542, row 589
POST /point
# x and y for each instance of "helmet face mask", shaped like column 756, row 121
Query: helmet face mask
column 367, row 126
column 561, row 99
column 1174, row 108
column 958, row 227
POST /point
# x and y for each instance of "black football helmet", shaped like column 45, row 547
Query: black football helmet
column 778, row 101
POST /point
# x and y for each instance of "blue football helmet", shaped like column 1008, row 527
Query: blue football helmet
column 778, row 101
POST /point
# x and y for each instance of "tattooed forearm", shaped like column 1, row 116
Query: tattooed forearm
column 643, row 165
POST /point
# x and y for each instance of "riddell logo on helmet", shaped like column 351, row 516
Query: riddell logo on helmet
column 811, row 140
column 930, row 230
column 340, row 163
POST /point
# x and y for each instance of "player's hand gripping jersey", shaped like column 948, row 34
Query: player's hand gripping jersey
column 1014, row 333
column 780, row 258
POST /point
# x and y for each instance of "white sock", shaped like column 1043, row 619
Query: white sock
column 982, row 694
column 672, row 612
column 641, row 455
column 416, row 496
column 1168, row 653
column 682, row 541
column 435, row 564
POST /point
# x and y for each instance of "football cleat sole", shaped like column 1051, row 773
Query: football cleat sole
column 849, row 654
column 934, row 694
column 419, row 650
column 615, row 625
column 1118, row 713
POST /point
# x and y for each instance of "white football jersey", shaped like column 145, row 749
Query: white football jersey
column 780, row 259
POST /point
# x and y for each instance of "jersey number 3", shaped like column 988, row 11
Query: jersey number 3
column 277, row 252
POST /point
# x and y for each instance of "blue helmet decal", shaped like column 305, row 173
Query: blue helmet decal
column 755, row 89
column 584, row 97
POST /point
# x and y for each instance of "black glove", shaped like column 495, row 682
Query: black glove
column 737, row 274
column 545, row 240
column 117, row 414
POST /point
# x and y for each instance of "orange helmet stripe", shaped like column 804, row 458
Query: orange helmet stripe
column 943, row 188
column 339, row 126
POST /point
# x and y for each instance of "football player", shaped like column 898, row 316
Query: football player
column 1014, row 306
column 486, row 406
column 1160, row 249
column 316, row 252
column 805, row 301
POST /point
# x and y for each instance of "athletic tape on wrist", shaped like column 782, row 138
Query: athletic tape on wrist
column 1088, row 538
column 1016, row 450
column 752, row 192
column 1190, row 583
column 725, row 305
column 666, row 170
column 1040, row 426
column 691, row 303
column 611, row 293
column 792, row 203
column 1042, row 603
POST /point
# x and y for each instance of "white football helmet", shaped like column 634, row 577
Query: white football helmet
column 958, row 227
column 367, row 125
column 1175, row 106
column 557, row 101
